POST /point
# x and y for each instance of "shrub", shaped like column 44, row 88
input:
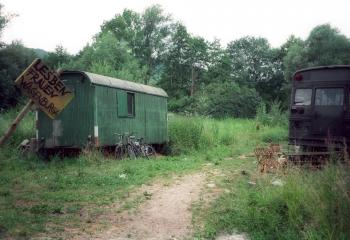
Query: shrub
column 197, row 133
column 231, row 100
column 274, row 117
column 185, row 134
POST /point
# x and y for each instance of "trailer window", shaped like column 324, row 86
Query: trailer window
column 131, row 104
column 303, row 96
column 329, row 97
column 126, row 104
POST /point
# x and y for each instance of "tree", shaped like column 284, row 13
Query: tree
column 324, row 46
column 185, row 62
column 14, row 58
column 145, row 34
column 176, row 70
column 58, row 58
column 155, row 30
column 219, row 64
column 112, row 57
column 327, row 46
column 295, row 58
column 126, row 27
column 197, row 58
column 229, row 100
column 255, row 65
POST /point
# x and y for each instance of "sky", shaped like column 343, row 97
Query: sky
column 72, row 23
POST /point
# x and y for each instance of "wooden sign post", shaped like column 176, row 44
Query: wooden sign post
column 15, row 122
column 45, row 89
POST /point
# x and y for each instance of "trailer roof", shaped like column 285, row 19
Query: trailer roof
column 101, row 80
column 322, row 67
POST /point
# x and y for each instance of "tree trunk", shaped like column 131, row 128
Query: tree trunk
column 193, row 81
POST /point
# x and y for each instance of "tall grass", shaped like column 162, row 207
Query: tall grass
column 199, row 133
column 25, row 130
column 310, row 205
column 272, row 116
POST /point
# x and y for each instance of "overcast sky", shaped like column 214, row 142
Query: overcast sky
column 72, row 23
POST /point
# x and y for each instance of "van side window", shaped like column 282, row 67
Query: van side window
column 329, row 97
column 303, row 96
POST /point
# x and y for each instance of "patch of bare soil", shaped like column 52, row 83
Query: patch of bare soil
column 232, row 237
column 165, row 215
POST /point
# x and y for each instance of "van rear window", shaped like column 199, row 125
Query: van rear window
column 329, row 97
column 303, row 96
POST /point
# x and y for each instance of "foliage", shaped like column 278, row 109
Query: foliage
column 35, row 194
column 14, row 58
column 58, row 58
column 310, row 205
column 145, row 34
column 25, row 130
column 273, row 116
column 111, row 57
column 151, row 48
column 230, row 100
column 325, row 45
column 176, row 72
column 253, row 64
column 185, row 134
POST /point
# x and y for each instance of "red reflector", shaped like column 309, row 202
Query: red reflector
column 298, row 77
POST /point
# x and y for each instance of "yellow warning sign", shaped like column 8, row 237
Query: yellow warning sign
column 45, row 88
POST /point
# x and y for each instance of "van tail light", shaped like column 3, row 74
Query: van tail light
column 298, row 77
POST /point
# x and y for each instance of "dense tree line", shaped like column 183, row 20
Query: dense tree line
column 200, row 76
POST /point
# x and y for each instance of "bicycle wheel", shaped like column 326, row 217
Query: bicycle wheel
column 119, row 151
column 137, row 151
column 131, row 152
column 149, row 151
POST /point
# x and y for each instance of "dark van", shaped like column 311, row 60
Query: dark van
column 320, row 108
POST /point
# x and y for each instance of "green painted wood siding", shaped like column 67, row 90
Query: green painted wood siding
column 103, row 108
column 76, row 122
column 149, row 122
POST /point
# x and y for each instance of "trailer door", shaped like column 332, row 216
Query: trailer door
column 328, row 112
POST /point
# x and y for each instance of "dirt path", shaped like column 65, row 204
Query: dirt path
column 166, row 215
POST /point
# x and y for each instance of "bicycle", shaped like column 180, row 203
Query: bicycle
column 119, row 151
column 128, row 145
column 146, row 150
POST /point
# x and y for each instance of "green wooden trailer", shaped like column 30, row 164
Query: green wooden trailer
column 101, row 108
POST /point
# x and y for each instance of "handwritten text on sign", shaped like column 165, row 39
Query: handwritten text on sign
column 45, row 88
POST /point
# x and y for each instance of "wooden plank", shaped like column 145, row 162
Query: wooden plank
column 16, row 122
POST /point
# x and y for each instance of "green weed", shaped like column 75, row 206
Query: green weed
column 310, row 205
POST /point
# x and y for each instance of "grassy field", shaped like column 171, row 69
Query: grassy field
column 309, row 205
column 38, row 196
